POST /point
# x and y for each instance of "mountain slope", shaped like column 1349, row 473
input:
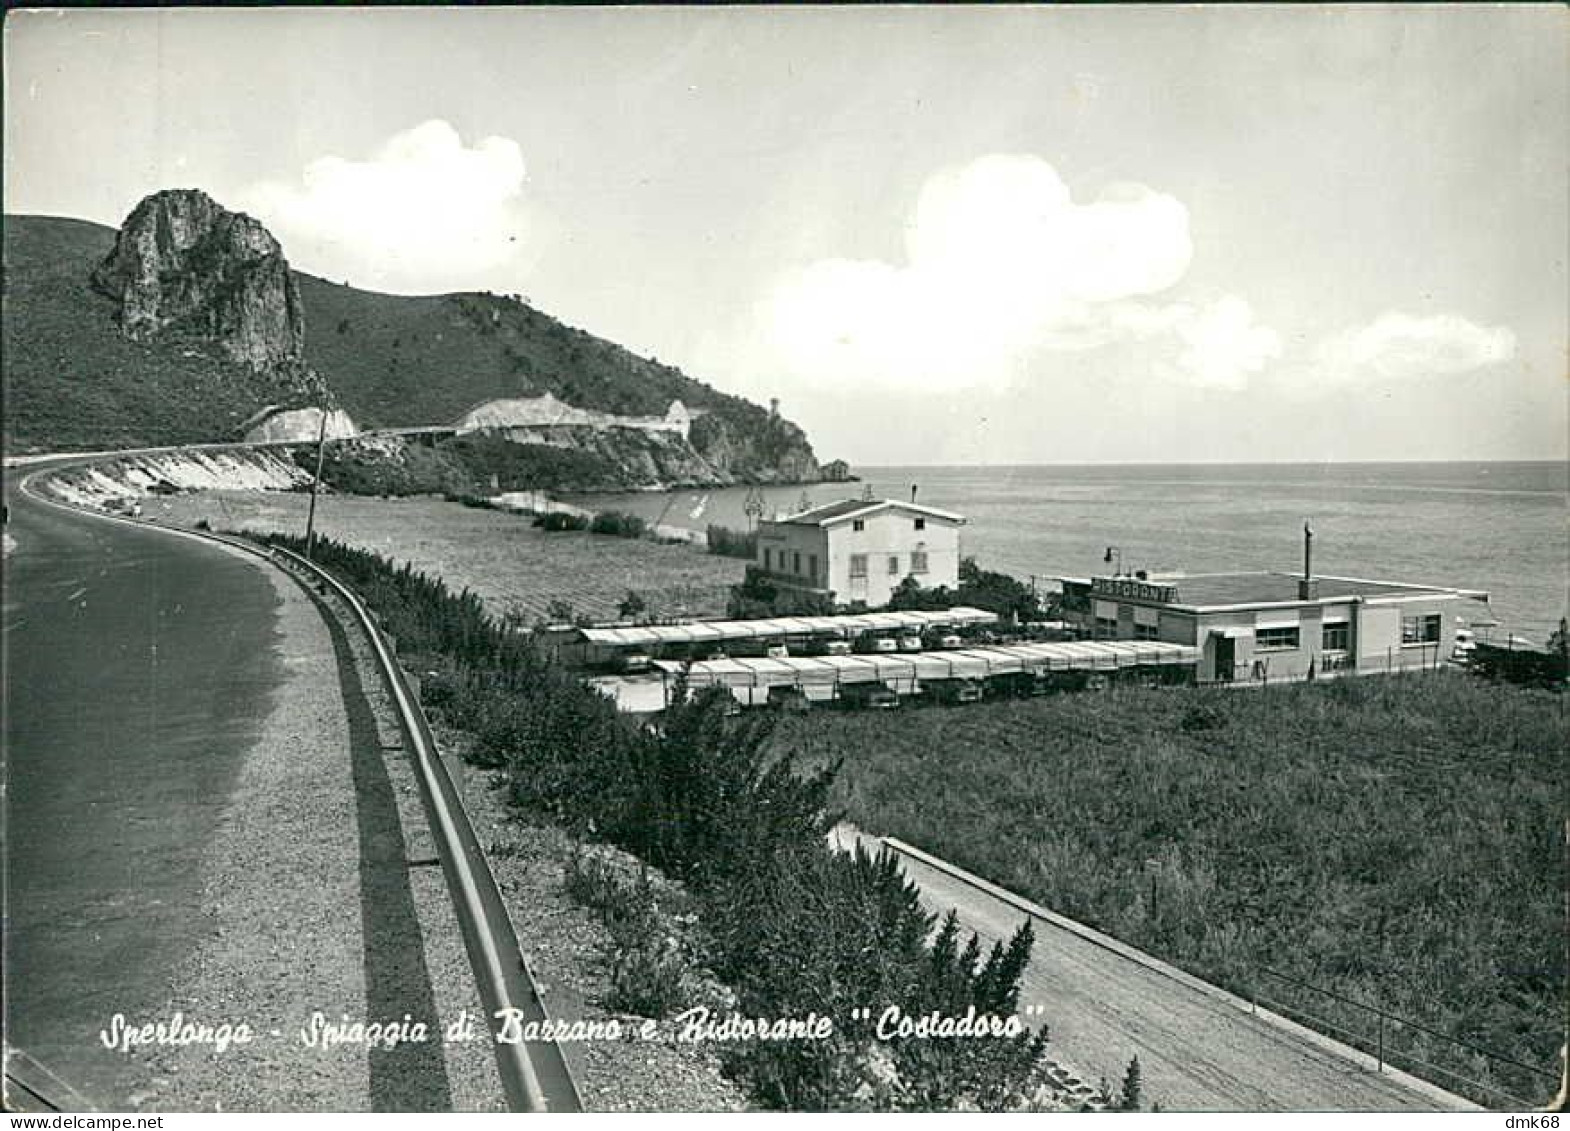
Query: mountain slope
column 426, row 360
column 73, row 379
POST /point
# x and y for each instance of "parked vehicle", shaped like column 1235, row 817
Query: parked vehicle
column 1018, row 684
column 910, row 643
column 952, row 691
column 630, row 663
column 950, row 641
column 885, row 644
column 877, row 696
column 777, row 652
column 792, row 699
column 837, row 648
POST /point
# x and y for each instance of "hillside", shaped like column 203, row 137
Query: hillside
column 426, row 360
column 72, row 378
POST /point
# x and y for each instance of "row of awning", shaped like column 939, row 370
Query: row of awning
column 779, row 628
column 967, row 663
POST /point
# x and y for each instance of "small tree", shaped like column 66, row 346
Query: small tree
column 632, row 606
column 1132, row 1086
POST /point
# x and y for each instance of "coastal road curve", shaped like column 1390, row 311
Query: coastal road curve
column 198, row 818
column 1197, row 1051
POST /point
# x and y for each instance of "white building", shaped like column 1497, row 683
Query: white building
column 861, row 549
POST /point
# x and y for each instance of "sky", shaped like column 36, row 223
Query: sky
column 939, row 235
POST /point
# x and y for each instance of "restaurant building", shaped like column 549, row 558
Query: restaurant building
column 1267, row 626
column 859, row 550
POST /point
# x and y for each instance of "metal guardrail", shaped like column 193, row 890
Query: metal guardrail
column 535, row 1074
column 1385, row 1054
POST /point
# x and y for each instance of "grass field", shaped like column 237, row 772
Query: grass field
column 1396, row 840
column 513, row 567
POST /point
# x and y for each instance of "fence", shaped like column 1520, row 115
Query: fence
column 1388, row 1025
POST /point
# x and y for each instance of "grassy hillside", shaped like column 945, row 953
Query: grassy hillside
column 1398, row 841
column 426, row 360
column 72, row 381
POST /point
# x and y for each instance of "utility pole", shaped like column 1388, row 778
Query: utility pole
column 310, row 514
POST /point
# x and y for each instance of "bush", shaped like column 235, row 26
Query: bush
column 759, row 598
column 618, row 525
column 732, row 543
column 557, row 521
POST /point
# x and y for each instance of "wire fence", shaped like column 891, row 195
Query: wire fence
column 1384, row 1043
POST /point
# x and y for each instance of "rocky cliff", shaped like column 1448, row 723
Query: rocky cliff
column 185, row 269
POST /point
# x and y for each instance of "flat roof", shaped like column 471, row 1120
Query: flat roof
column 848, row 625
column 971, row 663
column 1268, row 587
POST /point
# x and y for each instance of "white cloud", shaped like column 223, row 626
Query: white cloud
column 1221, row 346
column 425, row 213
column 1001, row 263
column 1397, row 346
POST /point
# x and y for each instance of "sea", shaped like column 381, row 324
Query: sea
column 1498, row 527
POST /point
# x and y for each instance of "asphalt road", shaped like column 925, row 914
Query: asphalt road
column 1196, row 1052
column 138, row 670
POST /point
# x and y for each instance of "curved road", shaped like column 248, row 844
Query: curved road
column 138, row 670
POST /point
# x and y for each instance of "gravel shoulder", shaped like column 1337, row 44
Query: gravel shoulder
column 311, row 910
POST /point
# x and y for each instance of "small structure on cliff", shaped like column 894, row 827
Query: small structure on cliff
column 297, row 425
column 546, row 411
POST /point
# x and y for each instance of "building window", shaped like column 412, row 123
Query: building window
column 858, row 565
column 768, row 558
column 893, row 565
column 812, row 566
column 796, row 563
column 1275, row 639
column 1145, row 632
column 1106, row 628
column 1336, row 638
column 857, row 524
column 921, row 524
column 1422, row 629
column 918, row 561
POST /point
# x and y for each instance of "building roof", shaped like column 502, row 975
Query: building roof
column 850, row 625
column 1221, row 590
column 828, row 514
column 971, row 663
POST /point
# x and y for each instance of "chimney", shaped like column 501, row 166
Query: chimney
column 913, row 492
column 1308, row 585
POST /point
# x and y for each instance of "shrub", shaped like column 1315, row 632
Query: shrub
column 618, row 525
column 732, row 543
column 557, row 521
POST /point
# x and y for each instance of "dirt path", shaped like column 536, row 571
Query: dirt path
column 1197, row 1052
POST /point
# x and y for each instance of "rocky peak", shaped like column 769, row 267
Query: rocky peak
column 184, row 265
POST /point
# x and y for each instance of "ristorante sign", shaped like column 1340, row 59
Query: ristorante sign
column 1133, row 589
